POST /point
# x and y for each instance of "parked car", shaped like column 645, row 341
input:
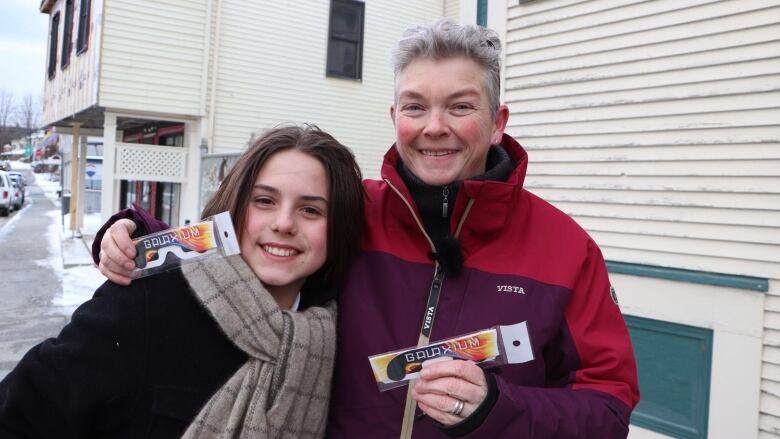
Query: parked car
column 6, row 194
column 17, row 193
column 20, row 175
column 19, row 179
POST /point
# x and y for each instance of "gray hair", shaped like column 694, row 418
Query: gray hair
column 445, row 39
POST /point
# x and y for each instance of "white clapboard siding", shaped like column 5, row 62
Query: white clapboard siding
column 452, row 10
column 153, row 56
column 73, row 88
column 656, row 125
column 659, row 138
column 277, row 75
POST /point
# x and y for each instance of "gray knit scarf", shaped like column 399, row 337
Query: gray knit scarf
column 283, row 390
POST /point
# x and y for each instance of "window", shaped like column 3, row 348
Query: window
column 345, row 40
column 67, row 34
column 674, row 362
column 83, row 39
column 54, row 31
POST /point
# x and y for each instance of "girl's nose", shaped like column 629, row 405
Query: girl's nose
column 284, row 222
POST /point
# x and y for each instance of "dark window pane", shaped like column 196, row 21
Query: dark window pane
column 346, row 21
column 342, row 58
column 345, row 39
column 55, row 27
column 67, row 34
column 83, row 37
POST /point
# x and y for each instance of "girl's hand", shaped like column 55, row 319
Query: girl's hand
column 117, row 252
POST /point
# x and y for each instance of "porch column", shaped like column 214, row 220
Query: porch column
column 75, row 181
column 190, row 188
column 82, row 202
column 108, row 194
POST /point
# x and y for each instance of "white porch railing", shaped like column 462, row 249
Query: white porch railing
column 150, row 162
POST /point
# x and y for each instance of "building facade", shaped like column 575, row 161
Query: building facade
column 656, row 125
column 168, row 82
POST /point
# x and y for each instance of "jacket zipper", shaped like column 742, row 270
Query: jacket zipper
column 430, row 308
column 445, row 193
column 438, row 274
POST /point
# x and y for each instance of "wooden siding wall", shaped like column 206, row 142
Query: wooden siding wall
column 153, row 56
column 74, row 88
column 656, row 125
column 452, row 9
column 271, row 69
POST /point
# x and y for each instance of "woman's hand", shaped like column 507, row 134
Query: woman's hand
column 443, row 384
column 117, row 252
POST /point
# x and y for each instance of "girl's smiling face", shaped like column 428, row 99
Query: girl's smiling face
column 284, row 238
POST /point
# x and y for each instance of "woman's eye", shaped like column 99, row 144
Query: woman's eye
column 263, row 200
column 462, row 108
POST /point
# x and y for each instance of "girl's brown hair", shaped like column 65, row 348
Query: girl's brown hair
column 345, row 203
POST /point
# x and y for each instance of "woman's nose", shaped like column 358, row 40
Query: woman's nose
column 436, row 125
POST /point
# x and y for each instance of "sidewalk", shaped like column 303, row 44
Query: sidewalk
column 80, row 277
column 76, row 246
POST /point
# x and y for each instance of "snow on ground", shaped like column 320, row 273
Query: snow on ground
column 19, row 166
column 49, row 183
column 70, row 260
column 69, row 257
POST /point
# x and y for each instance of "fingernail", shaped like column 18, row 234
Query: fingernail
column 129, row 265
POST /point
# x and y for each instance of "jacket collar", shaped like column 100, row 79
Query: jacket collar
column 493, row 200
column 516, row 152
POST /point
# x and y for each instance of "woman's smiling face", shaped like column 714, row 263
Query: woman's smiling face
column 285, row 229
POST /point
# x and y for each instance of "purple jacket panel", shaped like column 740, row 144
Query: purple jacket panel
column 357, row 406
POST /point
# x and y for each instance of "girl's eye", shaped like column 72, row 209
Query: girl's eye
column 311, row 211
column 263, row 200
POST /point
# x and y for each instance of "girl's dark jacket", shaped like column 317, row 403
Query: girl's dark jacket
column 134, row 362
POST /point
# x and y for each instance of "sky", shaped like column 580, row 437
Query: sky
column 23, row 30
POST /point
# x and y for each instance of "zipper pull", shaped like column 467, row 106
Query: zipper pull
column 445, row 208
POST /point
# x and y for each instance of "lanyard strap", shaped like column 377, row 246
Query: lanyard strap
column 425, row 335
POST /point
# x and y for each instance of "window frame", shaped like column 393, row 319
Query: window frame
column 652, row 414
column 82, row 38
column 53, row 43
column 482, row 12
column 67, row 35
column 357, row 40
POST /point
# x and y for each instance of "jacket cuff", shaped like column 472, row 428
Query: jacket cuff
column 144, row 221
column 475, row 420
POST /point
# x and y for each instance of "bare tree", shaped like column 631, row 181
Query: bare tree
column 28, row 113
column 6, row 107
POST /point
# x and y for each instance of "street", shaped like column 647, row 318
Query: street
column 34, row 287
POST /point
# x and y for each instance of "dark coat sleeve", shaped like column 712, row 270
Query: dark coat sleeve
column 82, row 383
column 144, row 221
